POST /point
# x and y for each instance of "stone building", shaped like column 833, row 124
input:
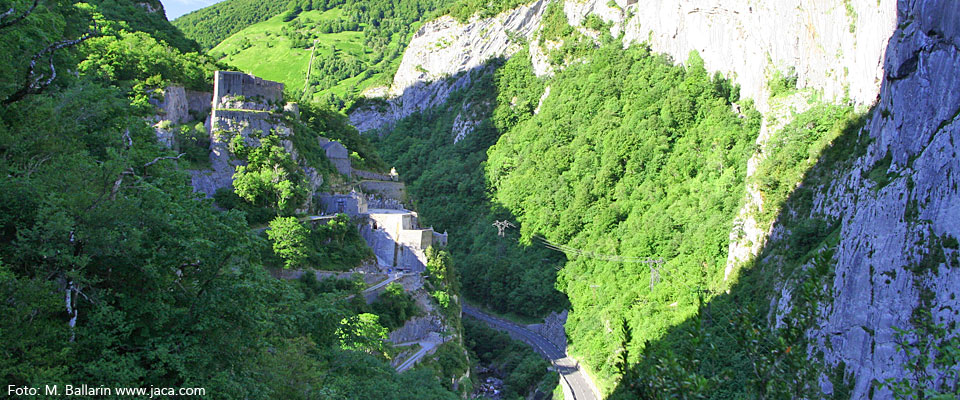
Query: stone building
column 242, row 104
column 353, row 204
column 338, row 156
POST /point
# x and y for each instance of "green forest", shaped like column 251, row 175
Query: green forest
column 113, row 272
column 327, row 51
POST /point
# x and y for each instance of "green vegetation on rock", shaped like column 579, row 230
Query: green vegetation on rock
column 632, row 158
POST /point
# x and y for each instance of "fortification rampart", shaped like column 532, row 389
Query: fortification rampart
column 374, row 176
column 229, row 84
column 241, row 104
column 385, row 189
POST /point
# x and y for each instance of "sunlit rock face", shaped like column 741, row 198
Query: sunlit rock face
column 903, row 58
column 900, row 58
column 439, row 55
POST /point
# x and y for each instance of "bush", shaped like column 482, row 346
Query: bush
column 338, row 246
column 289, row 239
column 394, row 306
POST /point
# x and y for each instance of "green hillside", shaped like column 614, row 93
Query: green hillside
column 638, row 165
column 113, row 271
column 355, row 45
column 275, row 50
column 211, row 25
column 358, row 43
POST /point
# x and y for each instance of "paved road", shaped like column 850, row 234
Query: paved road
column 425, row 346
column 390, row 278
column 576, row 382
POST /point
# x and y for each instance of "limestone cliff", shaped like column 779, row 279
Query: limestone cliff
column 902, row 58
column 897, row 251
column 177, row 105
column 439, row 57
column 905, row 58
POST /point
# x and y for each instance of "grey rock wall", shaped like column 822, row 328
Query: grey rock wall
column 385, row 189
column 837, row 50
column 889, row 231
column 900, row 54
column 552, row 328
column 229, row 84
column 439, row 57
column 175, row 105
column 199, row 103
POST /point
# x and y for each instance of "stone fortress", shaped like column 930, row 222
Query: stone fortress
column 250, row 106
column 393, row 232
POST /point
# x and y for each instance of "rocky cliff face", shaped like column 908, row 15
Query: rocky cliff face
column 905, row 57
column 898, row 253
column 898, row 248
column 836, row 46
column 439, row 57
column 178, row 106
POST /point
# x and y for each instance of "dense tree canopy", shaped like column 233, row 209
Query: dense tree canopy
column 113, row 272
column 629, row 157
column 209, row 26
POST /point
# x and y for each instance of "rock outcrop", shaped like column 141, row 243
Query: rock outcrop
column 177, row 105
column 441, row 56
column 552, row 328
column 242, row 104
column 836, row 46
column 897, row 252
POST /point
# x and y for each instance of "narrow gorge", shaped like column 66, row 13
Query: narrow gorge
column 503, row 199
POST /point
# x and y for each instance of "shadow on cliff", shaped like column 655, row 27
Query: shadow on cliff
column 448, row 184
column 727, row 349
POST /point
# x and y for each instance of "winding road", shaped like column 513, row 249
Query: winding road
column 575, row 381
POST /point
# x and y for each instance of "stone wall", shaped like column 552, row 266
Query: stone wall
column 353, row 204
column 375, row 201
column 374, row 176
column 392, row 254
column 385, row 189
column 338, row 156
column 552, row 328
column 440, row 239
column 417, row 328
column 397, row 239
column 227, row 84
column 417, row 238
column 242, row 104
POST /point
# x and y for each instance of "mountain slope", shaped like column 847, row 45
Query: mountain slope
column 358, row 45
column 211, row 25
